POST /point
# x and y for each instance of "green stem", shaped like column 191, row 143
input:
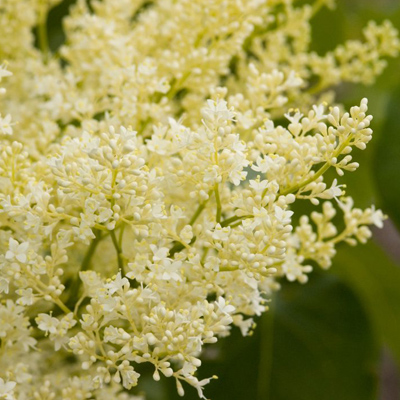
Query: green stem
column 300, row 185
column 121, row 235
column 319, row 87
column 196, row 215
column 91, row 250
column 218, row 200
column 179, row 246
column 342, row 236
column 199, row 210
column 42, row 34
column 235, row 224
column 76, row 284
column 229, row 221
column 320, row 172
column 62, row 305
column 78, row 303
column 177, row 85
column 118, row 250
column 204, row 256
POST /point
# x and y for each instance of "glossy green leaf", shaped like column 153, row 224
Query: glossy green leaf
column 324, row 348
column 376, row 280
column 387, row 161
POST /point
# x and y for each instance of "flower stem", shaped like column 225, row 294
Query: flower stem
column 90, row 251
column 320, row 172
column 76, row 284
column 121, row 235
column 42, row 34
column 197, row 213
column 300, row 185
column 118, row 250
column 61, row 305
column 229, row 221
column 218, row 200
column 178, row 246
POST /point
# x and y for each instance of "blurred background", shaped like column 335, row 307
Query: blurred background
column 338, row 338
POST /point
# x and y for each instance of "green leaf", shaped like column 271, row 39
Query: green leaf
column 387, row 161
column 376, row 280
column 54, row 24
column 323, row 345
column 323, row 24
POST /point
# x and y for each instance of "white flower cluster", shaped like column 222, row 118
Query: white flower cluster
column 147, row 189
